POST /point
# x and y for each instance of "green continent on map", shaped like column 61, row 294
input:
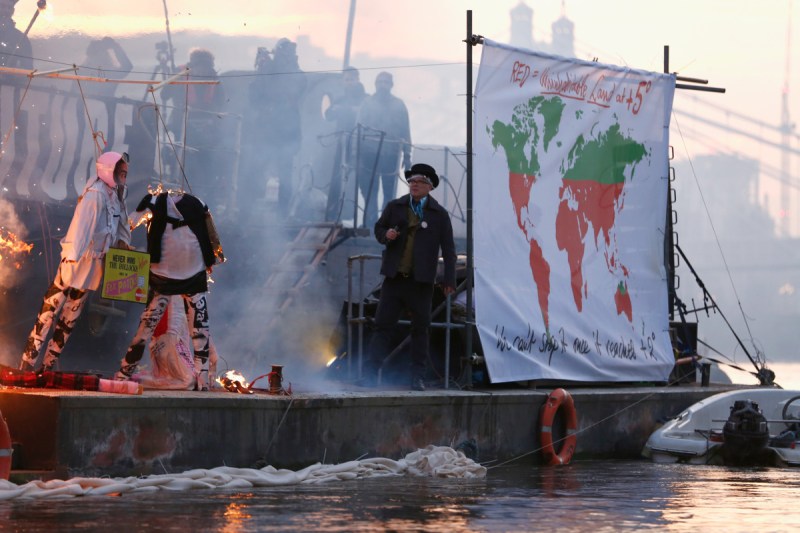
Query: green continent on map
column 592, row 183
column 520, row 140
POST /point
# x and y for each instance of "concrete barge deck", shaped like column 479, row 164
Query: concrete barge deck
column 65, row 433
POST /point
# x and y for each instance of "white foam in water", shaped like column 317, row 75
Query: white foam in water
column 432, row 461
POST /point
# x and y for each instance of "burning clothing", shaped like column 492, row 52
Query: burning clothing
column 100, row 220
column 180, row 253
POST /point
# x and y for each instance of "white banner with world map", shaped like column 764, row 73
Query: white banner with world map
column 570, row 186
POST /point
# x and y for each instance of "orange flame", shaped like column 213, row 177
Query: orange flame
column 233, row 381
column 10, row 244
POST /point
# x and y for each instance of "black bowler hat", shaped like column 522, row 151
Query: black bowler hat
column 422, row 169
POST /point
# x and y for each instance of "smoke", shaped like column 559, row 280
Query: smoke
column 10, row 226
column 277, row 300
column 10, row 273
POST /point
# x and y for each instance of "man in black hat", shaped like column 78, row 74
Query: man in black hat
column 413, row 228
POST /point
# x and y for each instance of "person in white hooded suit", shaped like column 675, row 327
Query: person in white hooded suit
column 100, row 221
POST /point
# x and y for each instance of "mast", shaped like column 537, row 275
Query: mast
column 787, row 216
column 669, row 238
column 471, row 41
column 349, row 37
column 764, row 375
column 169, row 38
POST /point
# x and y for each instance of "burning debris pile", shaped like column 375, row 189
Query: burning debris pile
column 234, row 381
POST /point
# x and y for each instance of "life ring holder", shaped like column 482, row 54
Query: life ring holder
column 558, row 400
column 5, row 449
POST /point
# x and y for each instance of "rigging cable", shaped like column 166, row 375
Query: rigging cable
column 185, row 122
column 160, row 120
column 759, row 358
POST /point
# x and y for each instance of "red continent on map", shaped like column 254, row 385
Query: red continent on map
column 623, row 301
column 520, row 188
column 593, row 171
column 584, row 202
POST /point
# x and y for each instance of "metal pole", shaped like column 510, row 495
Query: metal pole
column 669, row 245
column 446, row 174
column 361, row 317
column 40, row 6
column 368, row 197
column 358, row 176
column 349, row 317
column 469, row 318
column 169, row 38
column 447, row 344
column 349, row 37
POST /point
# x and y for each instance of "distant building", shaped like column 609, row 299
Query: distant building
column 730, row 196
column 522, row 26
column 522, row 35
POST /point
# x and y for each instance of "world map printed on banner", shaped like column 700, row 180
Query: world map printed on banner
column 570, row 182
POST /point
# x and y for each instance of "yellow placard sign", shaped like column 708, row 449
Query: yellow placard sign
column 126, row 275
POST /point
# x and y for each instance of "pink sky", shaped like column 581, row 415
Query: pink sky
column 737, row 44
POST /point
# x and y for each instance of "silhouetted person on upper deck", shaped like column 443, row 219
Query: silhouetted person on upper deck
column 274, row 133
column 105, row 58
column 382, row 113
column 15, row 48
column 343, row 110
column 205, row 134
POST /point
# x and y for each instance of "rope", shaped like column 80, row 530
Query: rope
column 160, row 120
column 157, row 111
column 759, row 354
column 13, row 124
column 275, row 433
column 185, row 123
column 46, row 238
column 95, row 133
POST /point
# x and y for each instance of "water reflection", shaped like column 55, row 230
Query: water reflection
column 584, row 496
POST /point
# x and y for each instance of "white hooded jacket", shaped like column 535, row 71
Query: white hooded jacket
column 100, row 220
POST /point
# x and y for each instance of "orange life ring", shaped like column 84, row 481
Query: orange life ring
column 558, row 399
column 5, row 449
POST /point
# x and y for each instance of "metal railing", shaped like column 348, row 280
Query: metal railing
column 361, row 319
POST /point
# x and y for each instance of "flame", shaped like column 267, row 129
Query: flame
column 144, row 219
column 11, row 244
column 233, row 381
column 331, row 361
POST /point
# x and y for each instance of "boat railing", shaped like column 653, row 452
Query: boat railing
column 360, row 319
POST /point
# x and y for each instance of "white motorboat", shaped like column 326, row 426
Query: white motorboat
column 743, row 427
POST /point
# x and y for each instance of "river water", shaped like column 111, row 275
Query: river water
column 583, row 496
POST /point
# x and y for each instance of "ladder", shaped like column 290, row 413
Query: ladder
column 301, row 257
